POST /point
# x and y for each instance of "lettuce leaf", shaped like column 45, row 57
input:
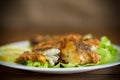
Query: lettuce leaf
column 107, row 52
column 69, row 65
column 64, row 65
column 36, row 64
column 47, row 65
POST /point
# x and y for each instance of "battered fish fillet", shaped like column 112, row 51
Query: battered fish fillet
column 34, row 56
column 69, row 48
column 53, row 42
column 78, row 50
column 40, row 55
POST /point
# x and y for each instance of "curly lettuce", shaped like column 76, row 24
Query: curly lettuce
column 35, row 64
column 47, row 65
column 106, row 51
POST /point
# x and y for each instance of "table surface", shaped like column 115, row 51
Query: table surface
column 112, row 73
column 6, row 73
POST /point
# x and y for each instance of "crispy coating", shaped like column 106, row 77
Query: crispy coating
column 74, row 48
column 78, row 50
column 53, row 42
column 34, row 56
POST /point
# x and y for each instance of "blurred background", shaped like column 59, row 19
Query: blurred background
column 20, row 19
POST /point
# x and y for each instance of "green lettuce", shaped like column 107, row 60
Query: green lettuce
column 36, row 64
column 47, row 65
column 69, row 65
column 64, row 65
column 107, row 52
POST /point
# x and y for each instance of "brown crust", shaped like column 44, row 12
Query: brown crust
column 34, row 56
column 74, row 48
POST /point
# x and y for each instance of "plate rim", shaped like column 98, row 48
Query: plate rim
column 57, row 70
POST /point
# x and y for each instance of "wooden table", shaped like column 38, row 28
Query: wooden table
column 6, row 73
column 112, row 73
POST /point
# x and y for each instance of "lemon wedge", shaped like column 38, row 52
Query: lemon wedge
column 10, row 53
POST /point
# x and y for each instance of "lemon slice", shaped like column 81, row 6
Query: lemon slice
column 10, row 53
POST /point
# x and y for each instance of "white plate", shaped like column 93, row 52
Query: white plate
column 56, row 70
